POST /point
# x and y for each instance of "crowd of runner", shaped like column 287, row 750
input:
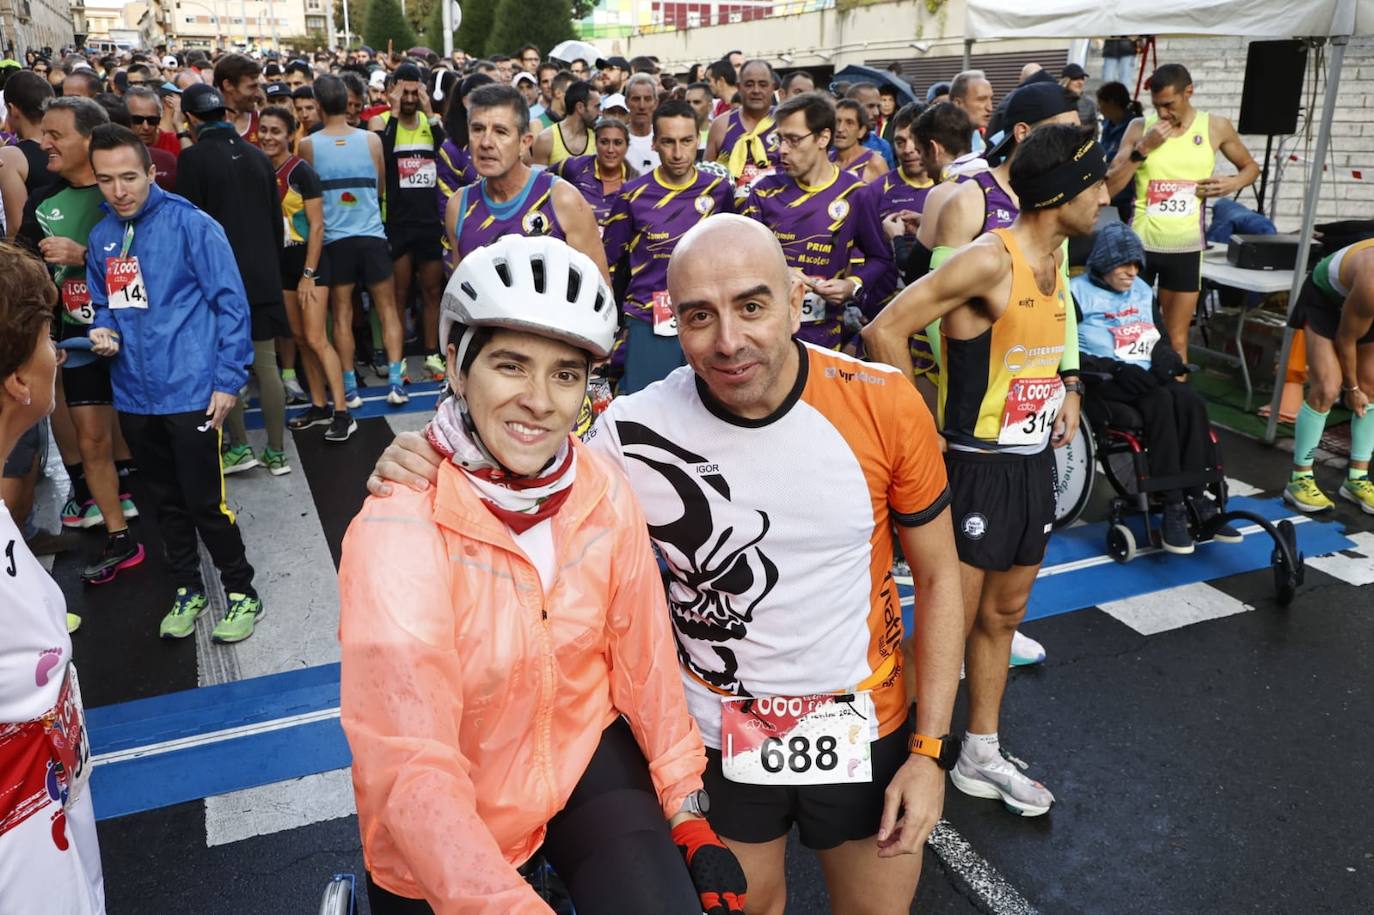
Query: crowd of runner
column 688, row 274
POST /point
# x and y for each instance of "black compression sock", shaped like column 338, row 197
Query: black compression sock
column 78, row 478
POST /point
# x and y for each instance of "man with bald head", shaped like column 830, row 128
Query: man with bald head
column 786, row 597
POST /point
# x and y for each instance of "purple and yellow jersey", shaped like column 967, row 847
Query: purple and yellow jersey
column 999, row 210
column 826, row 232
column 581, row 172
column 647, row 218
column 855, row 168
column 893, row 193
column 758, row 152
column 481, row 220
column 453, row 169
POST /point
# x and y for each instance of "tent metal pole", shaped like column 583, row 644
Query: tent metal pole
column 1309, row 218
column 968, row 53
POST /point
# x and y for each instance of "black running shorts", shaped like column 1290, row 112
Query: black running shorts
column 825, row 815
column 363, row 259
column 1002, row 506
column 1176, row 272
column 88, row 386
column 422, row 243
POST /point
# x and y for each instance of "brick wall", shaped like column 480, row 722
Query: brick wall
column 1218, row 69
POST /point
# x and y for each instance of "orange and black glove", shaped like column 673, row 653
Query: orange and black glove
column 715, row 873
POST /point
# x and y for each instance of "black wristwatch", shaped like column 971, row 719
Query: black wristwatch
column 309, row 273
column 1137, row 155
column 1074, row 386
column 944, row 750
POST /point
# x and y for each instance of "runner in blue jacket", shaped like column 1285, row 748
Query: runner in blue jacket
column 172, row 314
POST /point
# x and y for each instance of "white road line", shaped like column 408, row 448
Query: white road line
column 1354, row 566
column 994, row 894
column 1174, row 608
column 200, row 740
column 278, row 807
column 1236, row 487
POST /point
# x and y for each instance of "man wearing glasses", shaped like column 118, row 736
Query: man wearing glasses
column 528, row 59
column 145, row 116
column 829, row 230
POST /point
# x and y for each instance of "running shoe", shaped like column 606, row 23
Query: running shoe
column 90, row 515
column 119, row 553
column 73, row 512
column 275, row 462
column 237, row 459
column 1207, row 510
column 341, row 427
column 295, row 394
column 379, row 365
column 237, row 625
column 1361, row 492
column 1001, row 779
column 314, row 416
column 1304, row 495
column 73, row 623
column 1025, row 651
column 436, row 367
column 1174, row 535
column 181, row 621
column 351, row 399
column 397, row 396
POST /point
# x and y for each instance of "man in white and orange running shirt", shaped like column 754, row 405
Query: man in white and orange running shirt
column 787, row 619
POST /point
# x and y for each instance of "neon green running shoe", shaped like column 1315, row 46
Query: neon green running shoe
column 275, row 462
column 181, row 621
column 73, row 623
column 237, row 459
column 1361, row 492
column 436, row 367
column 237, row 625
column 1305, row 495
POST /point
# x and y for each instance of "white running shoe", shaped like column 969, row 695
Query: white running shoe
column 1001, row 779
column 1026, row 651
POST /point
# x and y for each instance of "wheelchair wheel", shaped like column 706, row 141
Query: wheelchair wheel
column 1073, row 475
column 1288, row 572
column 1120, row 543
column 1119, row 467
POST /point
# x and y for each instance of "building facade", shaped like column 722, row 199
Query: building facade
column 34, row 25
column 262, row 24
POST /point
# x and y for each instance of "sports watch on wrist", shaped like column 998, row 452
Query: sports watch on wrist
column 309, row 273
column 698, row 803
column 1074, row 386
column 1137, row 155
column 944, row 750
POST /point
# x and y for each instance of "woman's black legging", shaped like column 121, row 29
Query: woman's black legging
column 610, row 844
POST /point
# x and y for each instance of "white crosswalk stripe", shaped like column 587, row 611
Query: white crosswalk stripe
column 1174, row 608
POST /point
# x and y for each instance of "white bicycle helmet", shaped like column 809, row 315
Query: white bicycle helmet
column 541, row 285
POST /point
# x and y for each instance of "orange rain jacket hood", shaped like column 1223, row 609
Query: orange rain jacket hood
column 473, row 701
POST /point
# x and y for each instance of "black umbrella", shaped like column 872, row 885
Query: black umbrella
column 858, row 74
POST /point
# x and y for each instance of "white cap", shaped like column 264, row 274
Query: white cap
column 378, row 79
column 614, row 100
column 169, row 63
column 524, row 77
column 537, row 284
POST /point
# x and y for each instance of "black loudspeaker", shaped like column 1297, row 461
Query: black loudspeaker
column 1274, row 73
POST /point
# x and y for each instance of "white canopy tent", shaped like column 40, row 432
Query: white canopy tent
column 1331, row 20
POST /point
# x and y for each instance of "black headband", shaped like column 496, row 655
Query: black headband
column 1065, row 181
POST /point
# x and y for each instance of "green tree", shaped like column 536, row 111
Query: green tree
column 357, row 15
column 386, row 22
column 477, row 21
column 540, row 22
column 433, row 37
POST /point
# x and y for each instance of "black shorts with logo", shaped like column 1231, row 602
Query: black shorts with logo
column 364, row 259
column 1176, row 272
column 825, row 815
column 1002, row 506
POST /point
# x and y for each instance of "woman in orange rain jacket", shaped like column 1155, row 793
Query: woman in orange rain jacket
column 509, row 679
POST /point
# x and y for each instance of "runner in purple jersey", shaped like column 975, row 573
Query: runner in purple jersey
column 647, row 218
column 599, row 177
column 827, row 225
column 510, row 198
column 848, row 151
column 454, row 170
column 745, row 141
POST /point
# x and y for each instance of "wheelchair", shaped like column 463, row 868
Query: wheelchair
column 1111, row 436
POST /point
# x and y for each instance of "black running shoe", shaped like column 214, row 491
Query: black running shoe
column 1207, row 510
column 315, row 416
column 341, row 426
column 121, row 552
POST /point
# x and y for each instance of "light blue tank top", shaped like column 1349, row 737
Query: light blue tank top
column 1115, row 325
column 349, row 180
